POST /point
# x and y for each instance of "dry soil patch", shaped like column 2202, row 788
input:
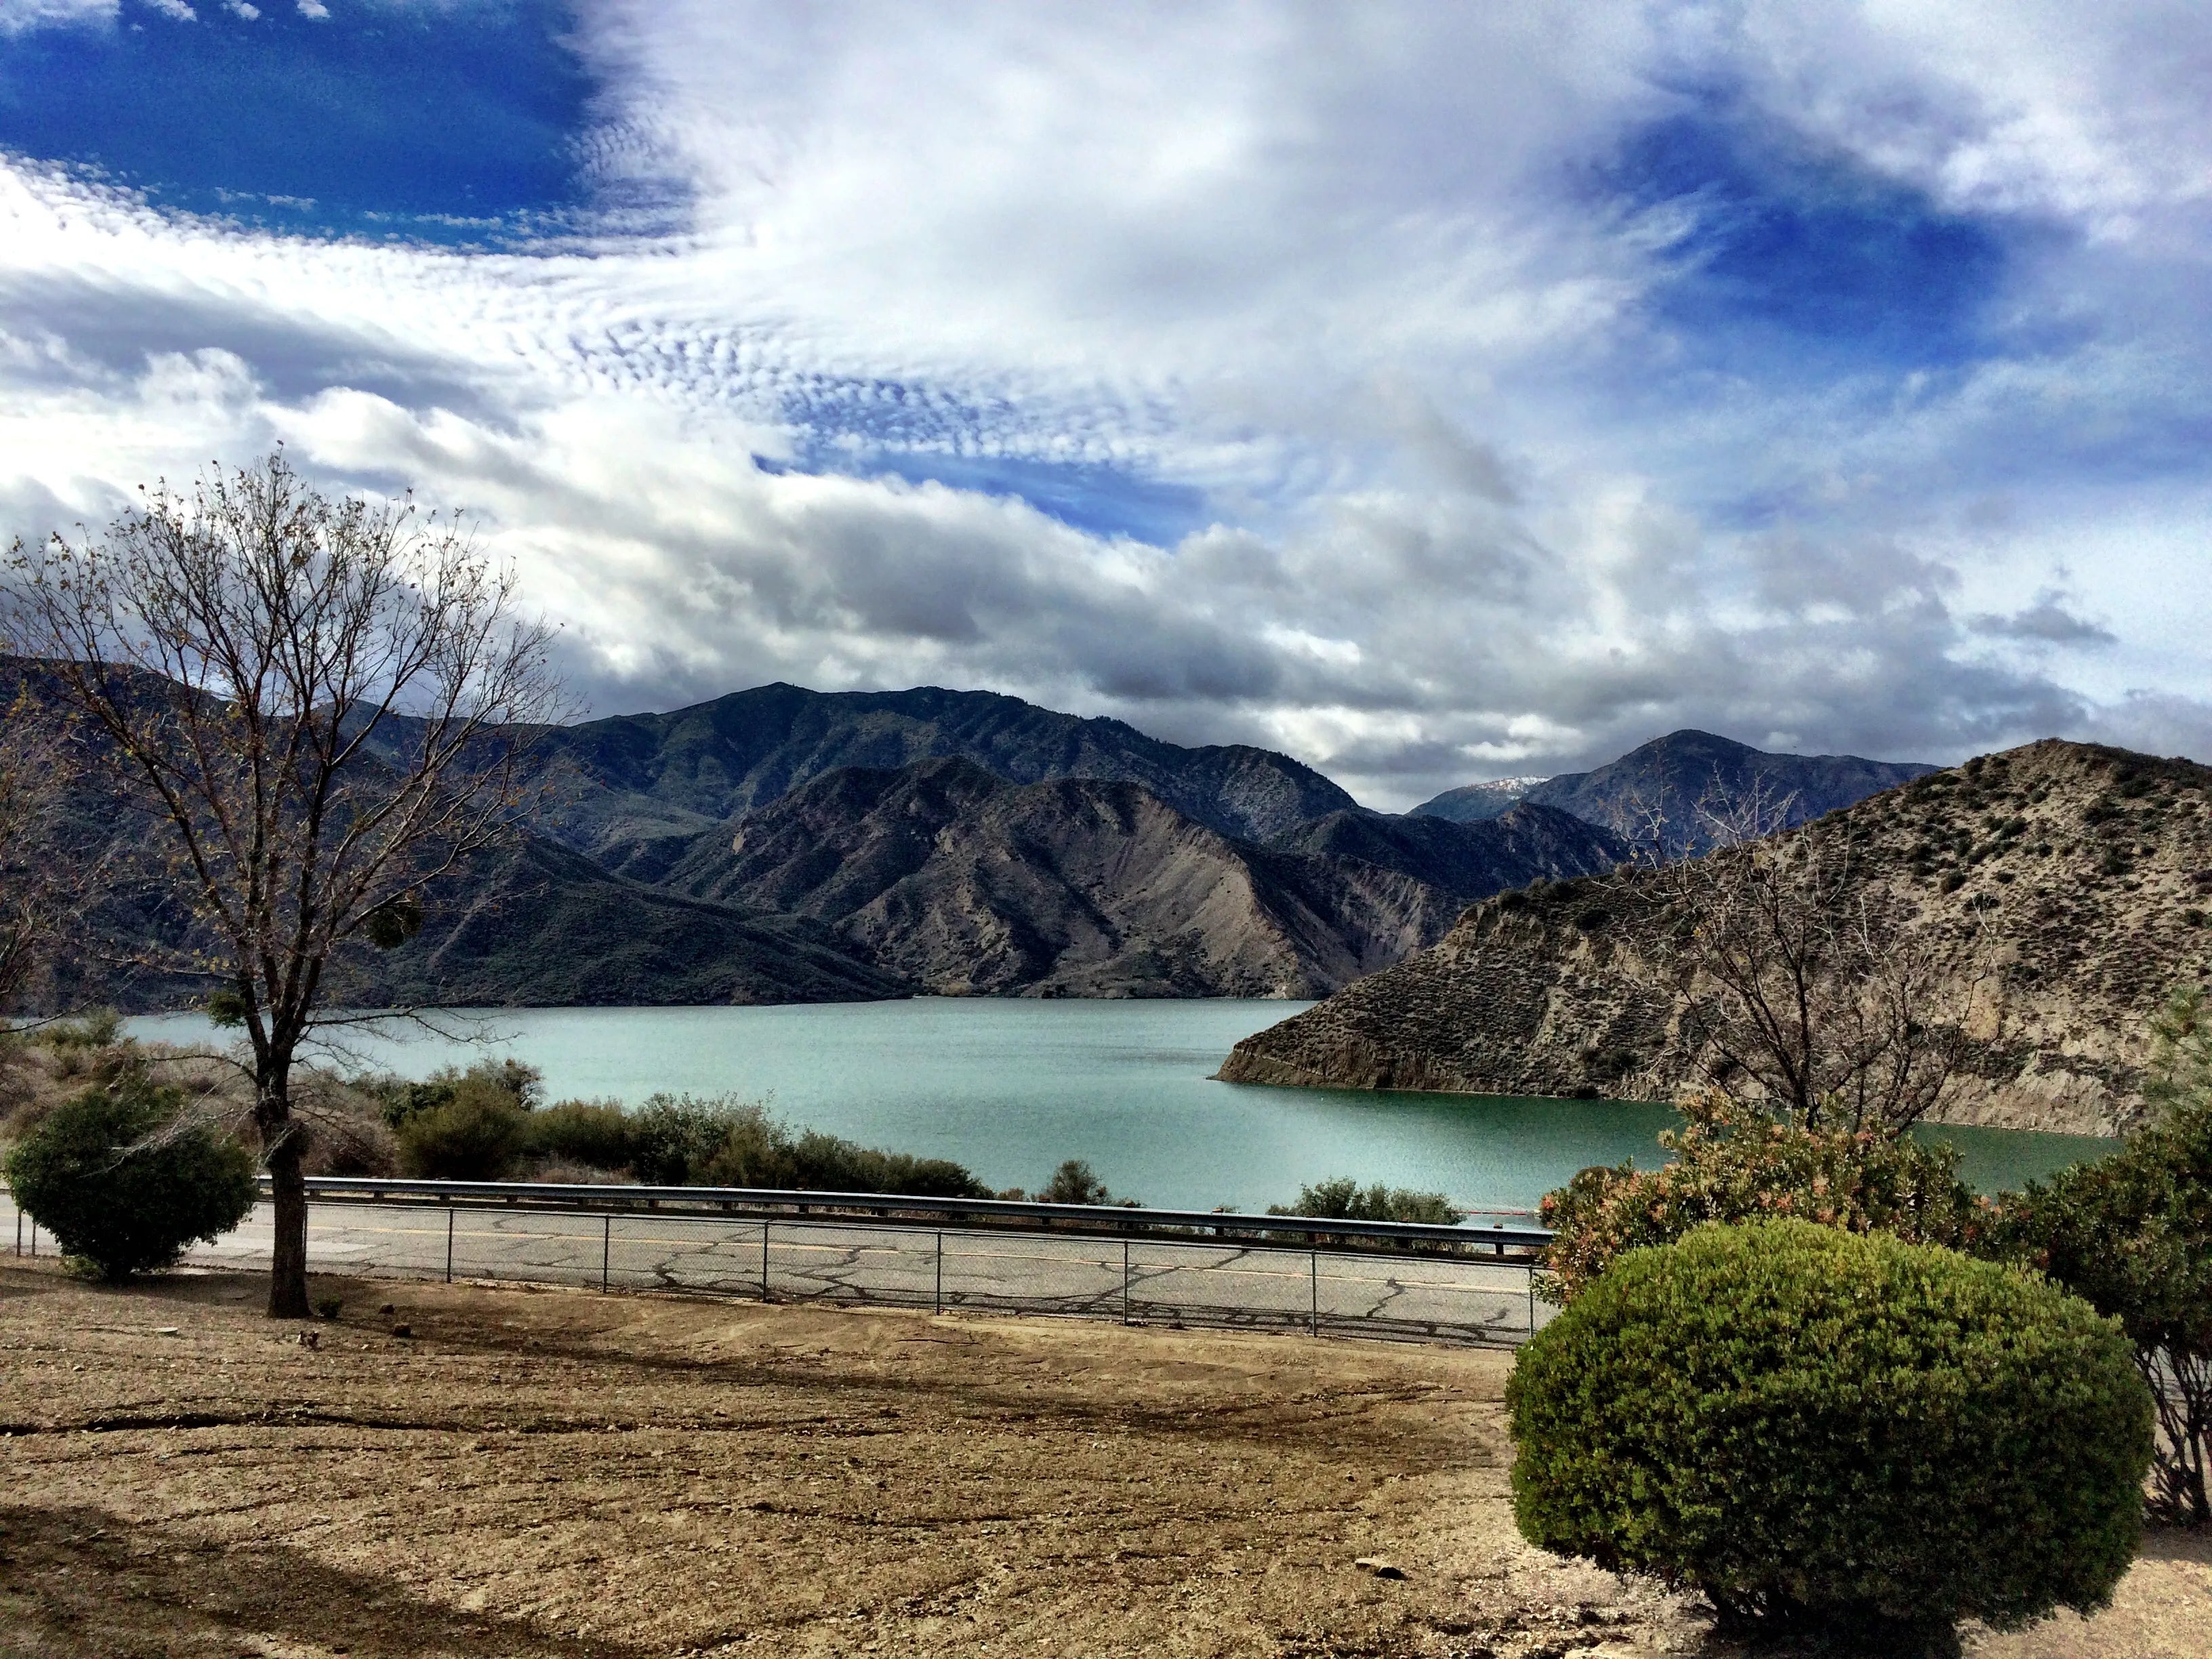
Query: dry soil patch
column 561, row 1473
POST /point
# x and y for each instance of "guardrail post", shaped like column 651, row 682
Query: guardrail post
column 1313, row 1288
column 764, row 1258
column 1125, row 1281
column 449, row 1243
column 606, row 1249
column 938, row 1306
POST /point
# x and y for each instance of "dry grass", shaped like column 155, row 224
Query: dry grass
column 560, row 1473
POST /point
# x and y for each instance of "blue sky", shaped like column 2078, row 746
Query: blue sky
column 1435, row 392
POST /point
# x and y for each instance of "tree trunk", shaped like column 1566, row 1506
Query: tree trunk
column 287, row 1264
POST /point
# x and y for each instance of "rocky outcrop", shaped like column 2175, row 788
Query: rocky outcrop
column 2085, row 873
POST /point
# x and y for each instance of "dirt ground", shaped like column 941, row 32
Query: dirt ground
column 541, row 1474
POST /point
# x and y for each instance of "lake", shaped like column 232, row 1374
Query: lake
column 1011, row 1087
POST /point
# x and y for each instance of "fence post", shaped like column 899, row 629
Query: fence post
column 19, row 1233
column 939, row 1303
column 1125, row 1281
column 449, row 1242
column 606, row 1249
column 763, row 1259
column 1313, row 1287
column 1532, row 1301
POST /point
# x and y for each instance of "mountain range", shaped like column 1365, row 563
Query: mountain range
column 2066, row 885
column 781, row 844
column 963, row 883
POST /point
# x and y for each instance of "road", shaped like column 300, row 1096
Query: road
column 1146, row 1280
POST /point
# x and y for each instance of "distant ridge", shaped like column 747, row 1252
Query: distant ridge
column 1671, row 774
column 1471, row 803
column 633, row 791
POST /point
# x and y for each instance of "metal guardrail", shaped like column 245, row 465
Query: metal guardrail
column 1116, row 1220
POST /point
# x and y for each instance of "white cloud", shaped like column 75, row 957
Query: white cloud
column 18, row 15
column 1466, row 501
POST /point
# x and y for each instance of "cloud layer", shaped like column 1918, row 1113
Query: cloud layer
column 1436, row 393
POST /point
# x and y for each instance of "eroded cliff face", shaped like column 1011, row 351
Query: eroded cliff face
column 2070, row 883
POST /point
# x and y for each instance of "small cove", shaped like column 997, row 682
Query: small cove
column 1011, row 1087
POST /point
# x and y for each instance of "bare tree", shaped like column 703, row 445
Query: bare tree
column 327, row 702
column 1798, row 982
column 39, row 885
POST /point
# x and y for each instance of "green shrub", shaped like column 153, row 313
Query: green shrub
column 115, row 1177
column 1832, row 1432
column 477, row 1135
column 1074, row 1182
column 102, row 1028
column 830, row 1164
column 674, row 1137
column 2132, row 1235
column 591, row 1131
column 488, row 1081
column 1734, row 1162
column 681, row 1141
column 1343, row 1200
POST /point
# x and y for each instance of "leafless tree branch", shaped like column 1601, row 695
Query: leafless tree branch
column 1798, row 982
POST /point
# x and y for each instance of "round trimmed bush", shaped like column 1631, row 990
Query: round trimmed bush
column 117, row 1182
column 1835, row 1431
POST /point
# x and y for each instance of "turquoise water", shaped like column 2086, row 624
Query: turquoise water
column 1011, row 1088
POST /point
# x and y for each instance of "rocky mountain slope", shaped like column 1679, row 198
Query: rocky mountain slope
column 1471, row 803
column 963, row 883
column 1674, row 773
column 1475, row 859
column 2086, row 873
column 634, row 793
column 539, row 926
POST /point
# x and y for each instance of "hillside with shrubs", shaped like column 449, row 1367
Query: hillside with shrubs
column 2067, row 886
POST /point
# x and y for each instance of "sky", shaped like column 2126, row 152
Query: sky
column 1434, row 392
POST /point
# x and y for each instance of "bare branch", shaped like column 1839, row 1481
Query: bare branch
column 328, row 702
column 1798, row 982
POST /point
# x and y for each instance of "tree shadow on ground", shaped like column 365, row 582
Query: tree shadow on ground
column 79, row 1582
